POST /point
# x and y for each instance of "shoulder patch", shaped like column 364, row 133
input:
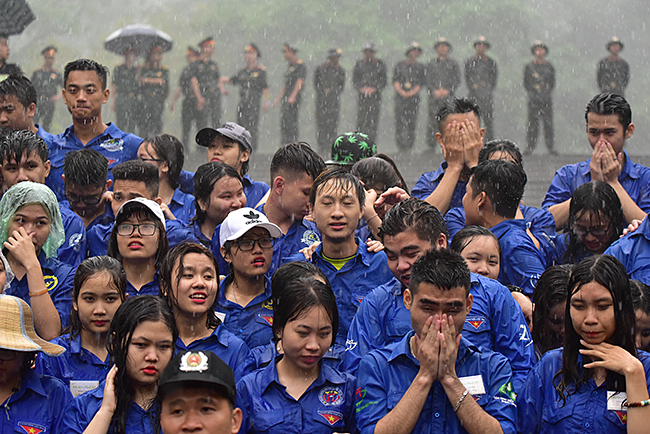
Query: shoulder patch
column 31, row 428
column 50, row 282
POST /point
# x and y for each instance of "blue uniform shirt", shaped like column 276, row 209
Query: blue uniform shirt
column 541, row 410
column 253, row 190
column 224, row 344
column 75, row 364
column 326, row 406
column 186, row 181
column 385, row 374
column 182, row 206
column 46, row 136
column 195, row 229
column 633, row 250
column 522, row 262
column 494, row 323
column 37, row 405
column 114, row 144
column 634, row 178
column 82, row 409
column 251, row 323
column 429, row 181
column 73, row 249
column 150, row 288
column 58, row 280
column 356, row 279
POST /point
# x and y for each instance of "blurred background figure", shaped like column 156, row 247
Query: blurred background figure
column 613, row 72
column 329, row 81
column 153, row 81
column 48, row 83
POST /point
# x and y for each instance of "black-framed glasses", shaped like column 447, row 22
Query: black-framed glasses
column 144, row 229
column 597, row 231
column 88, row 200
column 247, row 244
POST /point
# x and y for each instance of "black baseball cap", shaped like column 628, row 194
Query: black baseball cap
column 200, row 368
column 231, row 130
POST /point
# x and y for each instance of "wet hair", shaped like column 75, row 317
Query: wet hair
column 610, row 273
column 21, row 87
column 379, row 173
column 503, row 182
column 601, row 200
column 297, row 297
column 205, row 177
column 295, row 270
column 458, row 105
column 416, row 215
column 465, row 236
column 138, row 171
column 640, row 296
column 86, row 65
column 443, row 268
column 142, row 213
column 169, row 150
column 90, row 268
column 128, row 317
column 341, row 179
column 85, row 168
column 610, row 104
column 22, row 143
column 174, row 262
column 501, row 146
column 295, row 159
column 551, row 289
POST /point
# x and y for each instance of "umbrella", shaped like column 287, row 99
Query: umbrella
column 15, row 16
column 141, row 37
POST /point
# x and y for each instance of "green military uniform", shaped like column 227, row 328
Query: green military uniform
column 252, row 83
column 613, row 75
column 329, row 81
column 481, row 78
column 152, row 101
column 188, row 109
column 539, row 82
column 369, row 73
column 289, row 119
column 47, row 85
column 408, row 75
column 445, row 74
column 126, row 99
column 207, row 75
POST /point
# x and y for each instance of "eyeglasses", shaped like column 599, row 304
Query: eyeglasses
column 7, row 355
column 88, row 200
column 150, row 159
column 581, row 231
column 246, row 244
column 144, row 229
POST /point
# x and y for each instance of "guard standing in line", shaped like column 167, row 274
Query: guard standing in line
column 205, row 84
column 443, row 78
column 290, row 95
column 125, row 88
column 48, row 83
column 613, row 72
column 6, row 69
column 253, row 88
column 329, row 81
column 408, row 79
column 539, row 82
column 369, row 79
column 188, row 108
column 154, row 88
column 481, row 77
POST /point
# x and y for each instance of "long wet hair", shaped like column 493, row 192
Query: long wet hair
column 466, row 235
column 379, row 173
column 128, row 317
column 610, row 273
column 551, row 289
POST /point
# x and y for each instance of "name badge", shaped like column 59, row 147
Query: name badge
column 615, row 401
column 473, row 384
column 77, row 387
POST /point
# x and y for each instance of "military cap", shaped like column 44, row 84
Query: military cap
column 334, row 52
column 48, row 49
column 413, row 46
column 370, row 46
column 291, row 47
column 482, row 40
column 207, row 41
column 442, row 40
column 538, row 43
column 192, row 50
column 613, row 41
column 252, row 47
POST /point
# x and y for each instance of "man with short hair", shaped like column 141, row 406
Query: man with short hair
column 613, row 74
column 443, row 78
column 434, row 380
column 609, row 124
column 291, row 94
column 369, row 79
column 47, row 82
column 461, row 138
column 6, row 69
column 85, row 93
column 18, row 99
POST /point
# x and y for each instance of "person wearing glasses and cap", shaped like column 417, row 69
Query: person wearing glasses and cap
column 204, row 79
column 329, row 81
column 539, row 82
column 29, row 402
column 481, row 78
column 291, row 94
column 408, row 79
column 48, row 83
column 613, row 73
column 369, row 79
column 253, row 89
column 443, row 78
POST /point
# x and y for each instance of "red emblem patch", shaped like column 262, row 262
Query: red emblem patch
column 268, row 319
column 622, row 416
column 30, row 429
column 476, row 323
column 331, row 418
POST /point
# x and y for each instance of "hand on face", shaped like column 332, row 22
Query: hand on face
column 452, row 145
column 605, row 165
column 472, row 142
column 21, row 245
column 437, row 348
column 611, row 357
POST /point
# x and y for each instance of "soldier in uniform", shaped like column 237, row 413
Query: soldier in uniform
column 481, row 78
column 6, row 69
column 329, row 80
column 408, row 78
column 369, row 79
column 48, row 83
column 125, row 89
column 188, row 109
column 539, row 82
column 205, row 85
column 443, row 78
column 290, row 95
column 613, row 72
column 154, row 88
column 253, row 87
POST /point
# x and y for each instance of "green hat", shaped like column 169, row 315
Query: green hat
column 351, row 147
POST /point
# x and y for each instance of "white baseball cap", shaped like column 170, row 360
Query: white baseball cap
column 152, row 206
column 243, row 220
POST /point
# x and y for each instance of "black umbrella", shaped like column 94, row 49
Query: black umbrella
column 141, row 37
column 15, row 16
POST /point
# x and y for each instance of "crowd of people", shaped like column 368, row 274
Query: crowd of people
column 140, row 297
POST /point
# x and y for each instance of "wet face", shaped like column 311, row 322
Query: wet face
column 430, row 300
column 482, row 256
column 555, row 323
column 4, row 49
column 592, row 313
column 227, row 195
column 255, row 262
column 29, row 168
column 227, row 151
column 125, row 190
column 97, row 303
column 642, row 330
column 35, row 221
column 607, row 128
column 402, row 250
column 198, row 410
column 148, row 353
column 148, row 154
column 84, row 96
column 294, row 197
column 593, row 230
column 306, row 339
column 195, row 287
column 84, row 200
column 337, row 211
column 14, row 115
column 138, row 247
column 11, row 363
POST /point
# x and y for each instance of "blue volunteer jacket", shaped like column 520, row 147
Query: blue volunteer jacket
column 182, row 206
column 150, row 288
column 253, row 190
column 633, row 250
column 385, row 374
column 73, row 249
column 429, row 181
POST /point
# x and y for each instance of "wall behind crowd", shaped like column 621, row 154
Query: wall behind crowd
column 576, row 33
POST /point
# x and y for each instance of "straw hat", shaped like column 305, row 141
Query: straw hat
column 17, row 328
